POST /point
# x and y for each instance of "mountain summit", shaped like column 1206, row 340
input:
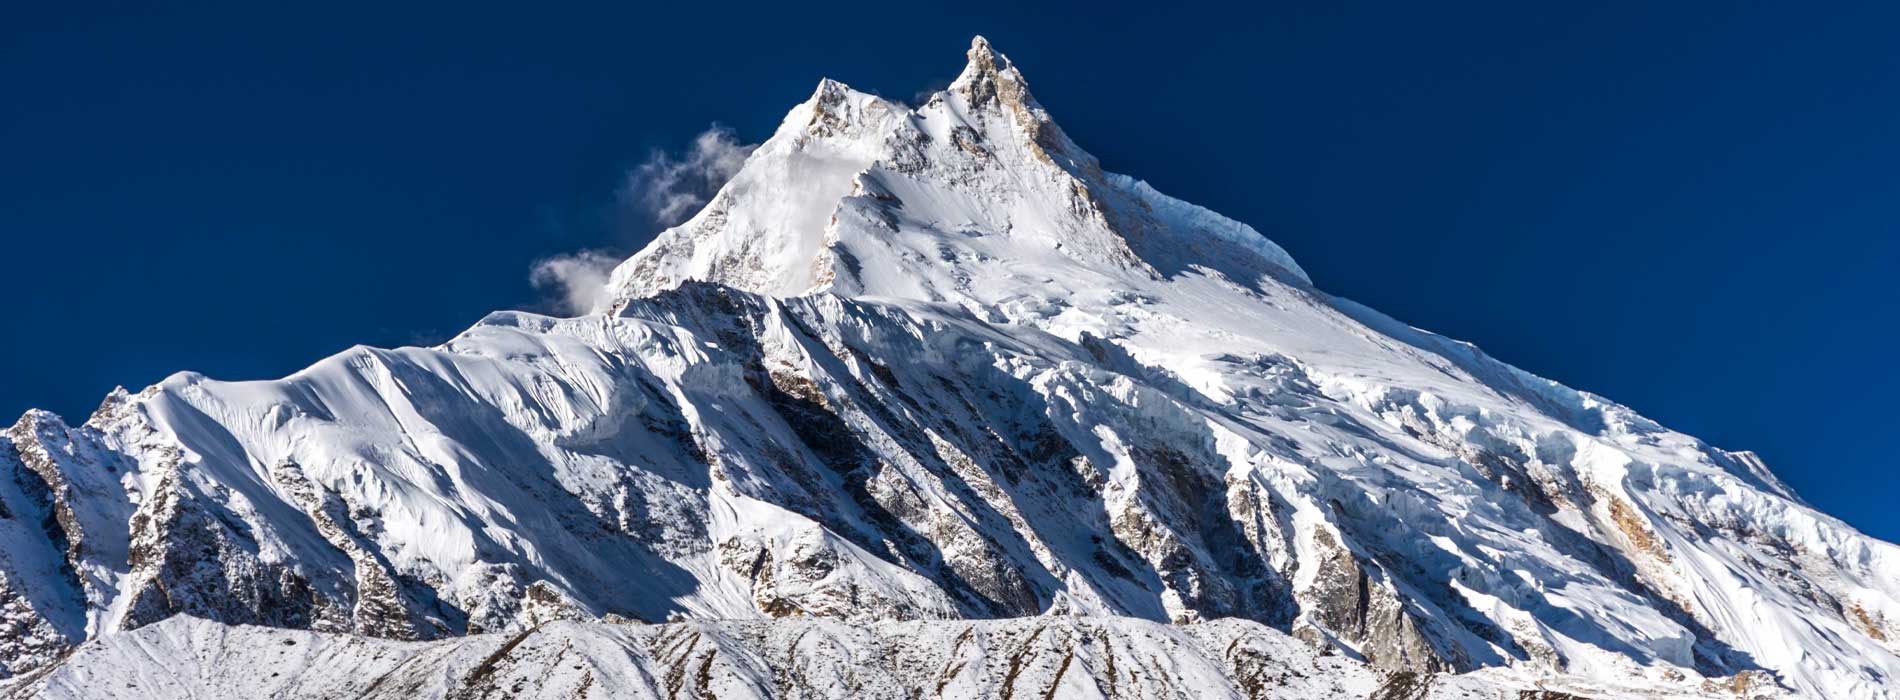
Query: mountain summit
column 934, row 372
column 975, row 194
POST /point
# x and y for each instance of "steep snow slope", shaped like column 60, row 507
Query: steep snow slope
column 934, row 364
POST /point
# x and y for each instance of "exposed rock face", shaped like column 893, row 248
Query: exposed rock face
column 1347, row 601
column 382, row 607
column 935, row 364
column 200, row 560
column 43, row 597
column 36, row 585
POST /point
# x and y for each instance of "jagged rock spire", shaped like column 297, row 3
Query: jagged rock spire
column 991, row 77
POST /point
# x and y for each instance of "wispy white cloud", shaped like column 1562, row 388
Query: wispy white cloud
column 574, row 283
column 672, row 188
column 664, row 190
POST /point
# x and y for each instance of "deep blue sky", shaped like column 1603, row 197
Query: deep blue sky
column 1690, row 210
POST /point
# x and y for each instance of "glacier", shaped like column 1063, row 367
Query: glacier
column 917, row 372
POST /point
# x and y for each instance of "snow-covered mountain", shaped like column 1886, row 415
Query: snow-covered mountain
column 913, row 366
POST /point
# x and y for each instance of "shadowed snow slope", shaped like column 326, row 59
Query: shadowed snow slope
column 934, row 364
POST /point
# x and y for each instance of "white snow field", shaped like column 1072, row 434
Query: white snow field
column 923, row 402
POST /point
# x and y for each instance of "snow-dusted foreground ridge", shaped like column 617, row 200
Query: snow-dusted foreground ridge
column 1042, row 657
column 933, row 364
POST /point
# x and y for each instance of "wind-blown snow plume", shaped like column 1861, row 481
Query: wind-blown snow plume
column 671, row 189
column 576, row 283
column 666, row 189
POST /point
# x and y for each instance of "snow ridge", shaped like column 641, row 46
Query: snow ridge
column 1070, row 657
